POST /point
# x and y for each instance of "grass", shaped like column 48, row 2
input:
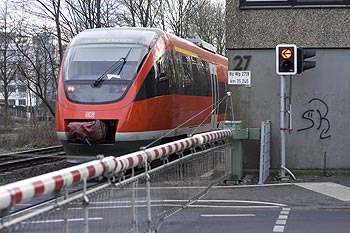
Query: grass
column 22, row 134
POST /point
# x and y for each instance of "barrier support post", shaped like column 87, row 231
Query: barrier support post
column 239, row 135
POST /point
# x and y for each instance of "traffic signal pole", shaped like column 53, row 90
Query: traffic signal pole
column 286, row 65
column 282, row 125
column 290, row 60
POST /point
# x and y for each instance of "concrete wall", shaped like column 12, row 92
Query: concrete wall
column 320, row 109
column 318, row 134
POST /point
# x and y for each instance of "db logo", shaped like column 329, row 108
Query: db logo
column 89, row 114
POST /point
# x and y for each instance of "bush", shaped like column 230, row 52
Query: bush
column 38, row 134
column 30, row 134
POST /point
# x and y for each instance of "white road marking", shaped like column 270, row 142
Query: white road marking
column 61, row 220
column 175, row 205
column 250, row 185
column 282, row 216
column 258, row 203
column 236, row 207
column 278, row 229
column 228, row 215
column 243, row 201
column 214, row 187
column 282, row 220
column 285, row 212
column 334, row 190
column 218, row 187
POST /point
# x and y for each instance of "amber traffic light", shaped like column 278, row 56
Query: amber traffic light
column 286, row 59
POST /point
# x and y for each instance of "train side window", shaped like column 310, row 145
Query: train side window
column 222, row 94
column 187, row 75
column 178, row 87
column 148, row 88
column 150, row 84
column 206, row 84
column 162, row 77
column 197, row 77
column 170, row 71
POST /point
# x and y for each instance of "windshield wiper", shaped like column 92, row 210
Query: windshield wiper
column 121, row 68
column 117, row 65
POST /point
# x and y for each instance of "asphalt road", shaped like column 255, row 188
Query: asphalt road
column 285, row 208
column 321, row 207
column 258, row 220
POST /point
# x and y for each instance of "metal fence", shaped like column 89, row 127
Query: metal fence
column 38, row 114
column 138, row 203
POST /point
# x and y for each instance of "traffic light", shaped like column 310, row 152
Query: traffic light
column 286, row 59
column 304, row 54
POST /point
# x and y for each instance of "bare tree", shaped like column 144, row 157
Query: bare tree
column 47, row 10
column 209, row 24
column 66, row 18
column 7, row 58
column 220, row 28
column 180, row 15
column 141, row 13
column 38, row 66
column 81, row 14
column 98, row 13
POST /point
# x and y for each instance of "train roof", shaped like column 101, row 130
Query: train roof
column 136, row 35
column 203, row 44
column 123, row 35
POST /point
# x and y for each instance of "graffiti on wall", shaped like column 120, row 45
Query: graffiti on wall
column 316, row 117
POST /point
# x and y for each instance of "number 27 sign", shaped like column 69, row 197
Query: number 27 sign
column 236, row 77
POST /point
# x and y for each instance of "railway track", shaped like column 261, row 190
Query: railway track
column 25, row 164
column 35, row 151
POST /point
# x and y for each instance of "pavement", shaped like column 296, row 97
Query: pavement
column 296, row 195
column 300, row 192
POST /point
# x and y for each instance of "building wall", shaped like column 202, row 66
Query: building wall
column 320, row 96
column 306, row 27
column 17, row 96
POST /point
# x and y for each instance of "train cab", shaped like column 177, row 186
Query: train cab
column 122, row 88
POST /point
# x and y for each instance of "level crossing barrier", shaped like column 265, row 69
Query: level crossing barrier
column 138, row 203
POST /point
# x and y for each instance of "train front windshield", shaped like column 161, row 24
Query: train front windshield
column 100, row 73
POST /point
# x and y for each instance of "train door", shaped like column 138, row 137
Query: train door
column 215, row 95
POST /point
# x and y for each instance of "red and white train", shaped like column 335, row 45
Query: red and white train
column 122, row 88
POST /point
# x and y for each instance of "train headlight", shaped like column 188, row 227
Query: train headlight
column 70, row 88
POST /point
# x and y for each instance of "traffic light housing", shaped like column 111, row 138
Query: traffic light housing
column 303, row 64
column 286, row 59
